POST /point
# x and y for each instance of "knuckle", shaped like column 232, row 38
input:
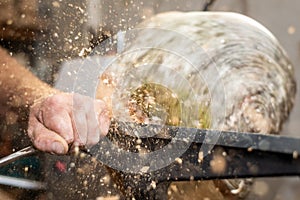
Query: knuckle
column 101, row 104
column 57, row 100
column 53, row 124
column 51, row 101
column 79, row 103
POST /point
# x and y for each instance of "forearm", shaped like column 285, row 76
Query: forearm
column 18, row 86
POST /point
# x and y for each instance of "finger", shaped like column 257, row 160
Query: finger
column 104, row 121
column 80, row 128
column 79, row 119
column 58, row 120
column 32, row 122
column 56, row 117
column 103, row 117
column 93, row 131
column 47, row 140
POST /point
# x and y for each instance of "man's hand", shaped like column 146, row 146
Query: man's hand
column 65, row 119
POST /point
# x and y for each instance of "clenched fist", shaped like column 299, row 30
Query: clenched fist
column 64, row 119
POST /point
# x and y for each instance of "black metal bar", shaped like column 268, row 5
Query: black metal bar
column 242, row 155
column 238, row 163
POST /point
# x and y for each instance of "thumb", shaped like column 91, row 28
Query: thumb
column 48, row 141
column 103, row 116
